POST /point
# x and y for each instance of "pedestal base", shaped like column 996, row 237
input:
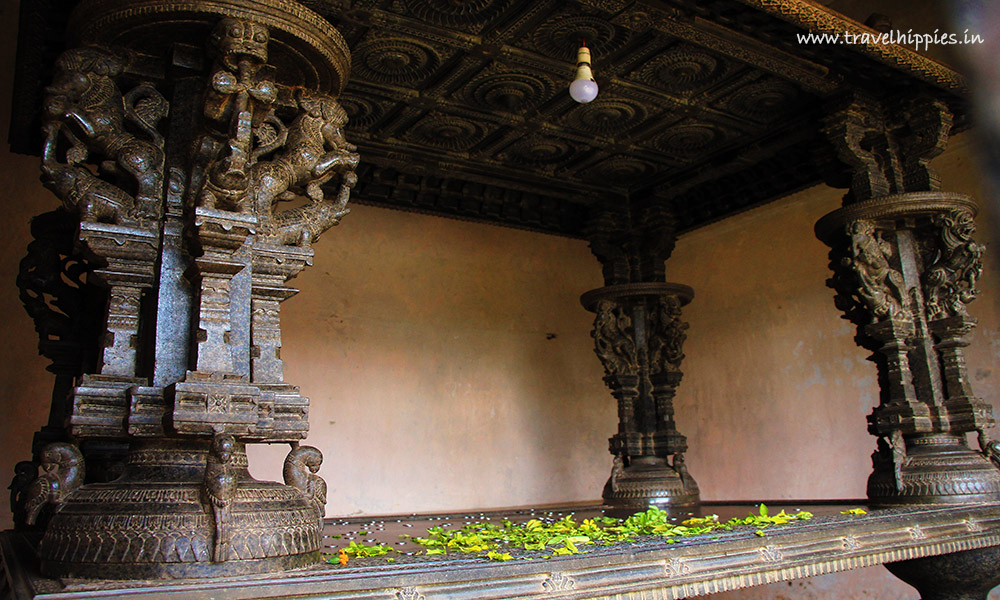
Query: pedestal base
column 936, row 469
column 968, row 575
column 650, row 481
column 159, row 520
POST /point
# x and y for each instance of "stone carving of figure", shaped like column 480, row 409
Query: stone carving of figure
column 950, row 282
column 81, row 192
column 61, row 471
column 882, row 287
column 301, row 466
column 617, row 471
column 315, row 151
column 612, row 339
column 25, row 472
column 681, row 468
column 85, row 105
column 667, row 335
column 220, row 489
column 238, row 101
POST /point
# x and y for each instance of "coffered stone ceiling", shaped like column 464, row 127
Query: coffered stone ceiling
column 460, row 108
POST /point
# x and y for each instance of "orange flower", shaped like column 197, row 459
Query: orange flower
column 343, row 556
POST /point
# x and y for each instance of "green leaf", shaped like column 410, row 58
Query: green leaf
column 763, row 509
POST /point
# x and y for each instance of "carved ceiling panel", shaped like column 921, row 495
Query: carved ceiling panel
column 708, row 107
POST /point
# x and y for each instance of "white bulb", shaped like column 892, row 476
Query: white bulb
column 583, row 90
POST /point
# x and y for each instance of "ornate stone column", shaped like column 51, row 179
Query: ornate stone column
column 173, row 132
column 905, row 266
column 639, row 335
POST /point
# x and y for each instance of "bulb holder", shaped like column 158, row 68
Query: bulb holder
column 583, row 89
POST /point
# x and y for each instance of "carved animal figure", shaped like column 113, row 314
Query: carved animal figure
column 86, row 103
column 60, row 473
column 301, row 466
column 882, row 287
column 91, row 197
column 303, row 225
column 950, row 282
column 220, row 489
column 315, row 151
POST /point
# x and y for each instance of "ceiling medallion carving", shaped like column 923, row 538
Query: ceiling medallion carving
column 445, row 131
column 539, row 151
column 361, row 112
column 455, row 12
column 619, row 170
column 763, row 100
column 682, row 69
column 509, row 92
column 396, row 61
column 689, row 138
column 559, row 37
column 607, row 116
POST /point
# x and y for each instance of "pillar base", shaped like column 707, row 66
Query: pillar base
column 650, row 481
column 968, row 575
column 157, row 521
column 937, row 469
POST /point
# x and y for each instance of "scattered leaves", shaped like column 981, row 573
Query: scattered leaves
column 564, row 537
column 854, row 511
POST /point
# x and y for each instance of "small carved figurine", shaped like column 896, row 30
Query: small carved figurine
column 617, row 471
column 60, row 473
column 25, row 472
column 666, row 335
column 612, row 340
column 220, row 489
column 882, row 287
column 681, row 468
column 301, row 466
column 899, row 458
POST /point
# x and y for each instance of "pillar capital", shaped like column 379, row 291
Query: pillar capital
column 885, row 144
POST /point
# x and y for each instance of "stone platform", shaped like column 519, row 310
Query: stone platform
column 649, row 568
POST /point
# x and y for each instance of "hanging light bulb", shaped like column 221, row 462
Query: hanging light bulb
column 584, row 88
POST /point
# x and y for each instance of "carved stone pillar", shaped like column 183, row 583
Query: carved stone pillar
column 905, row 266
column 173, row 155
column 638, row 335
